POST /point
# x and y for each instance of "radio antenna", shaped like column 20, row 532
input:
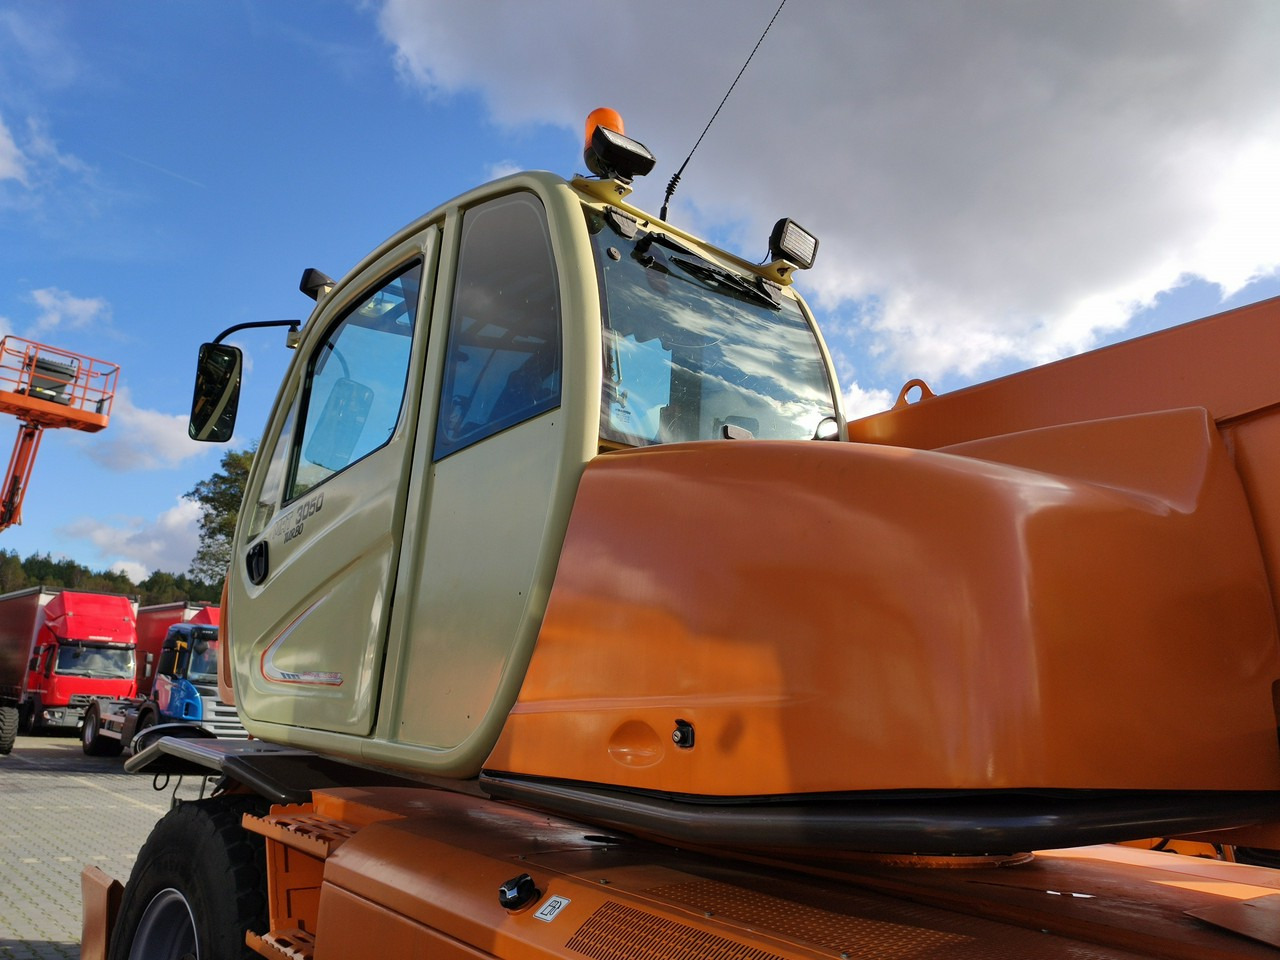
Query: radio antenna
column 675, row 177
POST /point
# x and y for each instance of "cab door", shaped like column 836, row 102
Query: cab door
column 500, row 456
column 309, row 593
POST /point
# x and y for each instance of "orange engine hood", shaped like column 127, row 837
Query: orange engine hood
column 1077, row 607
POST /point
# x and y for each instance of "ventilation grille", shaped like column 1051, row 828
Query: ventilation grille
column 617, row 932
column 858, row 935
column 863, row 926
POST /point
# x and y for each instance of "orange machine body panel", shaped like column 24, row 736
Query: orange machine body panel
column 617, row 898
column 1082, row 607
column 1224, row 363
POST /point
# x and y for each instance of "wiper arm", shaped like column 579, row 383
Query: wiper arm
column 727, row 280
column 693, row 263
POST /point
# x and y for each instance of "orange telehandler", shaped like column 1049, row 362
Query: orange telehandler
column 571, row 619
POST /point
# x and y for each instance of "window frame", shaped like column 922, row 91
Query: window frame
column 296, row 418
column 444, row 445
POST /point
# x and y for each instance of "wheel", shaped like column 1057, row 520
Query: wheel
column 198, row 884
column 8, row 728
column 92, row 741
column 27, row 718
column 146, row 720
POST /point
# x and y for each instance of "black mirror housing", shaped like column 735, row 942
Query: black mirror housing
column 216, row 394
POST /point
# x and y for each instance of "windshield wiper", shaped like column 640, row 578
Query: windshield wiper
column 693, row 263
column 726, row 280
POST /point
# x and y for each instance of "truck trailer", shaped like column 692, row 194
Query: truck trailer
column 15, row 657
column 182, row 700
column 570, row 618
column 67, row 646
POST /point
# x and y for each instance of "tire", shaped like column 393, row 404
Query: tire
column 8, row 729
column 92, row 742
column 198, row 884
column 27, row 720
column 146, row 720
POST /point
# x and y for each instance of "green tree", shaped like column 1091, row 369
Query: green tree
column 196, row 591
column 42, row 569
column 219, row 498
column 12, row 575
column 160, row 587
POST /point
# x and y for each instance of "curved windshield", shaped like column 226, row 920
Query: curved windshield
column 204, row 666
column 692, row 348
column 87, row 660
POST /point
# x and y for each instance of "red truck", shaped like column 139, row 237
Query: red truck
column 75, row 645
column 154, row 622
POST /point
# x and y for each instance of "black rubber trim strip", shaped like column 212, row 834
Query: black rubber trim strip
column 945, row 823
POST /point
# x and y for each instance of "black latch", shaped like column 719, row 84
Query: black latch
column 518, row 892
column 255, row 562
column 682, row 736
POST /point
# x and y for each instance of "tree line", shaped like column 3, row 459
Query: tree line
column 40, row 569
column 219, row 500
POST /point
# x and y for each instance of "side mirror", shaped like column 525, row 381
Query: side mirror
column 35, row 662
column 828, row 429
column 202, row 647
column 217, row 393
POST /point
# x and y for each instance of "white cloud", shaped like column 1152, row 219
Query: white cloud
column 61, row 310
column 140, row 546
column 503, row 168
column 140, row 439
column 136, row 572
column 860, row 402
column 37, row 47
column 992, row 180
column 12, row 163
column 37, row 175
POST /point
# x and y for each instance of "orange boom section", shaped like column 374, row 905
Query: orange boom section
column 46, row 387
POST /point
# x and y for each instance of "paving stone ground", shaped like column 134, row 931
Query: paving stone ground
column 61, row 810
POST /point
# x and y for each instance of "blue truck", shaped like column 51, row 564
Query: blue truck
column 183, row 698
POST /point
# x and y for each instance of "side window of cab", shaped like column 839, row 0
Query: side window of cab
column 355, row 383
column 503, row 356
column 351, row 396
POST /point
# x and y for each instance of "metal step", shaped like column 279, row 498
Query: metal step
column 283, row 945
column 300, row 828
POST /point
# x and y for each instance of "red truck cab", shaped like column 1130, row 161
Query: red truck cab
column 84, row 648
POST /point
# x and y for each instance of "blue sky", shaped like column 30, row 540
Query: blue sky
column 995, row 184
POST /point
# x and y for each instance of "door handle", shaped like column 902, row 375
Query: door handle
column 255, row 562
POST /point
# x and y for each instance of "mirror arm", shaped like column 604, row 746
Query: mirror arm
column 293, row 326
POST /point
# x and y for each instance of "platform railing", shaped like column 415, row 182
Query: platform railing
column 70, row 380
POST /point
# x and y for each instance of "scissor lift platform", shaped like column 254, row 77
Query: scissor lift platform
column 46, row 387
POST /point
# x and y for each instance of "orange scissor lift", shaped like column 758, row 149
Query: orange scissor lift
column 46, row 387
